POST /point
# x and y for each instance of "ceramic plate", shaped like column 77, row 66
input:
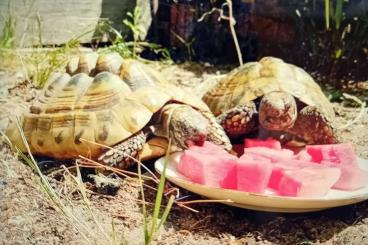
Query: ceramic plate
column 264, row 202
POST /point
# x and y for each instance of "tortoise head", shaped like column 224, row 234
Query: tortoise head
column 188, row 127
column 277, row 111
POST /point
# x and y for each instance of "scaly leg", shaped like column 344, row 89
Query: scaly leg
column 121, row 155
column 313, row 127
column 239, row 120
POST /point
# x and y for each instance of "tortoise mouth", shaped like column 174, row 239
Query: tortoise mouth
column 196, row 140
column 277, row 123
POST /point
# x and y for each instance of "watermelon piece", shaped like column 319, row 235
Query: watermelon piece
column 213, row 170
column 253, row 174
column 208, row 148
column 342, row 156
column 269, row 143
column 303, row 155
column 272, row 154
column 336, row 153
column 307, row 182
column 351, row 179
column 290, row 169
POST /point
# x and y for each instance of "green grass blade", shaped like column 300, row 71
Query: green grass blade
column 338, row 14
column 166, row 211
column 327, row 14
column 159, row 196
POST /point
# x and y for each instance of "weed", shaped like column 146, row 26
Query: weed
column 133, row 49
column 187, row 44
column 43, row 62
column 64, row 205
column 7, row 39
column 330, row 37
column 8, row 42
column 157, row 222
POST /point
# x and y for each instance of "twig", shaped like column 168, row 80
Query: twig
column 130, row 157
column 232, row 23
column 206, row 201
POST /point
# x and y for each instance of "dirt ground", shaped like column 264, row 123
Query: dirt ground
column 29, row 216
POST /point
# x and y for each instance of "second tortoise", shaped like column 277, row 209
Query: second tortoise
column 273, row 96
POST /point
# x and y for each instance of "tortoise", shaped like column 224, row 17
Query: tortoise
column 274, row 97
column 73, row 113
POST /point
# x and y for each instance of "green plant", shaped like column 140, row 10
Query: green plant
column 87, row 225
column 43, row 62
column 133, row 49
column 330, row 38
column 132, row 22
column 8, row 43
column 187, row 44
column 156, row 222
column 7, row 38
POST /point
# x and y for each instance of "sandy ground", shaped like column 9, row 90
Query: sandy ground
column 29, row 216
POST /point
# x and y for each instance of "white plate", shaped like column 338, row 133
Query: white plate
column 262, row 202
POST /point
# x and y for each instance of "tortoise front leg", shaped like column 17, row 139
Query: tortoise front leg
column 216, row 133
column 239, row 120
column 313, row 127
column 121, row 155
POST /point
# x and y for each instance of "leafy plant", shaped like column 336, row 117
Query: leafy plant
column 132, row 22
column 134, row 48
column 330, row 38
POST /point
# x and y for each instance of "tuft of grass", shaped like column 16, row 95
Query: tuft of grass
column 42, row 63
column 157, row 220
column 63, row 204
column 8, row 43
column 7, row 38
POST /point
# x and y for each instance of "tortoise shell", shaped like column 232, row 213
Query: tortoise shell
column 93, row 63
column 74, row 113
column 254, row 79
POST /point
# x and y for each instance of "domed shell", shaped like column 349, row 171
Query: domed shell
column 93, row 63
column 254, row 79
column 74, row 113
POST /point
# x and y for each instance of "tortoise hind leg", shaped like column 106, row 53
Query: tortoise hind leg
column 121, row 154
column 239, row 120
column 313, row 127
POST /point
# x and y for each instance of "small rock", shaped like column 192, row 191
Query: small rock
column 107, row 185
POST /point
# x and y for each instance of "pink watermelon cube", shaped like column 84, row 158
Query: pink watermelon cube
column 299, row 178
column 303, row 155
column 342, row 153
column 208, row 148
column 209, row 169
column 273, row 154
column 307, row 182
column 253, row 174
column 342, row 156
column 269, row 143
